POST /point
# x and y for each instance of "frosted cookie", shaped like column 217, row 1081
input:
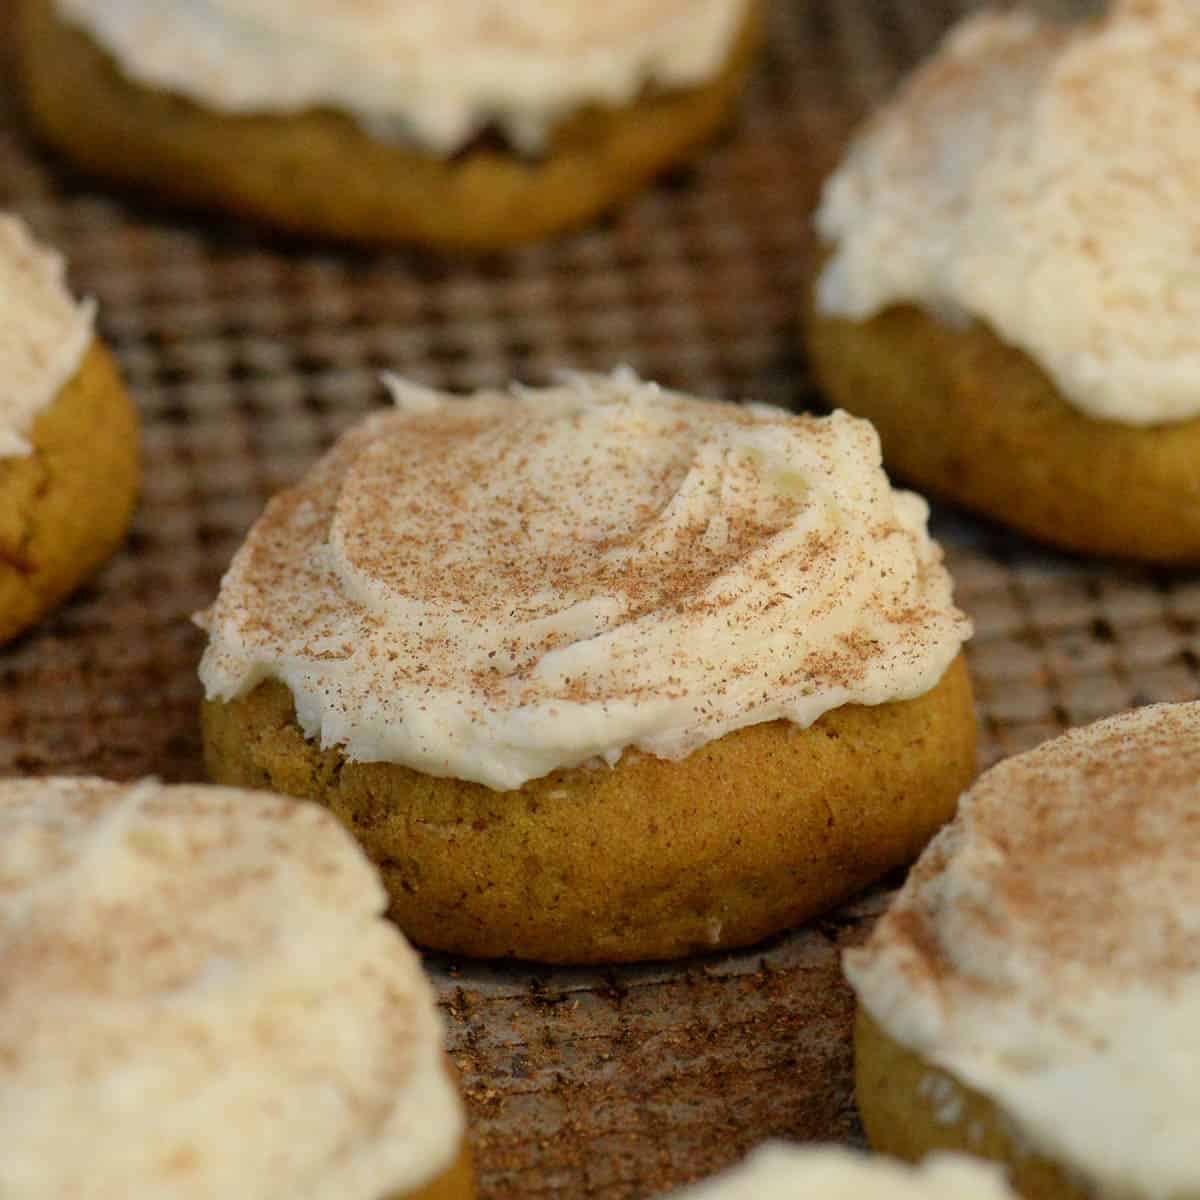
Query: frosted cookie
column 199, row 997
column 778, row 1171
column 69, row 456
column 598, row 672
column 1010, row 288
column 1033, row 995
column 458, row 124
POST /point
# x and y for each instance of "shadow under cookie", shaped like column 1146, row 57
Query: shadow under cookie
column 65, row 507
column 319, row 173
column 752, row 833
column 965, row 416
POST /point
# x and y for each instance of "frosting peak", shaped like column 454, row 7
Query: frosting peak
column 495, row 587
column 1044, row 180
column 435, row 73
column 43, row 333
column 198, row 988
column 1046, row 949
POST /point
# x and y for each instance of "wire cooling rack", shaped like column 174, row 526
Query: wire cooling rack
column 248, row 354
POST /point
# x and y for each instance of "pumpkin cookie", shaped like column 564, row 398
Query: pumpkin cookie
column 598, row 672
column 199, row 988
column 1007, row 286
column 778, row 1171
column 69, row 458
column 1033, row 994
column 454, row 125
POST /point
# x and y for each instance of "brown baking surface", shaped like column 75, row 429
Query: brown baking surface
column 249, row 354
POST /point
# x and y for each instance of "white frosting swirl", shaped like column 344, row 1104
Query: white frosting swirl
column 199, row 997
column 496, row 587
column 778, row 1171
column 43, row 333
column 1046, row 182
column 1046, row 951
column 435, row 73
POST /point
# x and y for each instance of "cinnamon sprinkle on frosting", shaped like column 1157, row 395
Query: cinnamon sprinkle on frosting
column 1042, row 179
column 198, row 987
column 498, row 586
column 1046, row 950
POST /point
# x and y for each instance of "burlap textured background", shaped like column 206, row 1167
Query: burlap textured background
column 249, row 354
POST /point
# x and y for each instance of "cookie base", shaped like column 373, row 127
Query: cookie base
column 749, row 835
column 319, row 173
column 902, row 1099
column 65, row 508
column 965, row 416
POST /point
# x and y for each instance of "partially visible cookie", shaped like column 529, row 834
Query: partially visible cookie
column 454, row 125
column 598, row 672
column 69, row 437
column 197, row 985
column 779, row 1171
column 976, row 421
column 913, row 1108
column 1006, row 287
column 1033, row 993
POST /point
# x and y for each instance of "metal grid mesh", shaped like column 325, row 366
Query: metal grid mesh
column 249, row 354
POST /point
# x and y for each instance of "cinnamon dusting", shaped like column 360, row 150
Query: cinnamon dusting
column 476, row 571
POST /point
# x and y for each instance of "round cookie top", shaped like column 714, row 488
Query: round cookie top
column 199, row 997
column 495, row 587
column 1046, row 950
column 43, row 333
column 1044, row 180
column 777, row 1171
column 434, row 73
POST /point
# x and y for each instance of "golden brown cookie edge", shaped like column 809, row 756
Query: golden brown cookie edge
column 965, row 416
column 903, row 1114
column 578, row 867
column 457, row 1182
column 67, row 506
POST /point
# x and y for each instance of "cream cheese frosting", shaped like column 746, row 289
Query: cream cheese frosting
column 433, row 73
column 1045, row 951
column 495, row 587
column 778, row 1171
column 44, row 333
column 199, row 997
column 1045, row 181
